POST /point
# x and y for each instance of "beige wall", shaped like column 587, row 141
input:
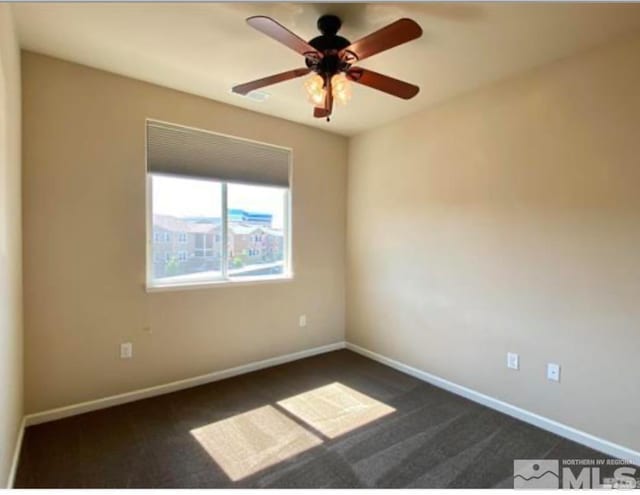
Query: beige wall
column 84, row 242
column 505, row 220
column 509, row 220
column 10, row 242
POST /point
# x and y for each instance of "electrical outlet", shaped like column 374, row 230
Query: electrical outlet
column 513, row 361
column 553, row 372
column 126, row 350
column 302, row 321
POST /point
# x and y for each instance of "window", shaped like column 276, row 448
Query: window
column 227, row 230
column 187, row 205
column 263, row 210
column 197, row 207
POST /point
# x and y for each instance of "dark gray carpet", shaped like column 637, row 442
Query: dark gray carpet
column 404, row 433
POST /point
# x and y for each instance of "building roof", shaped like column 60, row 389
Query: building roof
column 175, row 224
column 243, row 229
column 178, row 225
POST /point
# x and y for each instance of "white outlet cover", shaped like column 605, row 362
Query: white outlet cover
column 302, row 321
column 126, row 350
column 553, row 372
column 513, row 361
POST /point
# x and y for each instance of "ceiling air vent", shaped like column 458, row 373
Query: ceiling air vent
column 257, row 96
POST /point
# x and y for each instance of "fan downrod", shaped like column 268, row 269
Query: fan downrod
column 329, row 44
column 329, row 24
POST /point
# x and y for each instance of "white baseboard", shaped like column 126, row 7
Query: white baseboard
column 114, row 400
column 16, row 455
column 560, row 429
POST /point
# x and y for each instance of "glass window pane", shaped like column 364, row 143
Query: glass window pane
column 186, row 229
column 256, row 222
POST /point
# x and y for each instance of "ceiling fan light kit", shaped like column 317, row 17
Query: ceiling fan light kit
column 316, row 88
column 330, row 58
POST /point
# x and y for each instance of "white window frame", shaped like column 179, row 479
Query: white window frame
column 157, row 285
column 183, row 237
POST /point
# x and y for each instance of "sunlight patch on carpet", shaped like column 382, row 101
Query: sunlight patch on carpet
column 252, row 441
column 335, row 409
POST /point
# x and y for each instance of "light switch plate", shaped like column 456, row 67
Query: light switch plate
column 513, row 361
column 302, row 321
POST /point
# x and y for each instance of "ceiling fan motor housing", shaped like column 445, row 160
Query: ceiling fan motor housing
column 329, row 44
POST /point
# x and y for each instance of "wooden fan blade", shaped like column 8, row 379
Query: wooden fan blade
column 328, row 98
column 243, row 89
column 325, row 111
column 320, row 112
column 278, row 32
column 396, row 33
column 327, row 108
column 384, row 83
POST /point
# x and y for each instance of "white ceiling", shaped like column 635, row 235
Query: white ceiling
column 205, row 48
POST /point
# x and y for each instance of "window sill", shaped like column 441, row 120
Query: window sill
column 218, row 284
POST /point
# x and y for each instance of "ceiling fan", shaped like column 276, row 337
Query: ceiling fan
column 331, row 57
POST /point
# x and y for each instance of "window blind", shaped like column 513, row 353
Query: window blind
column 172, row 149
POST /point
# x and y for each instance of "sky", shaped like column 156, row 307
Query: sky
column 182, row 197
